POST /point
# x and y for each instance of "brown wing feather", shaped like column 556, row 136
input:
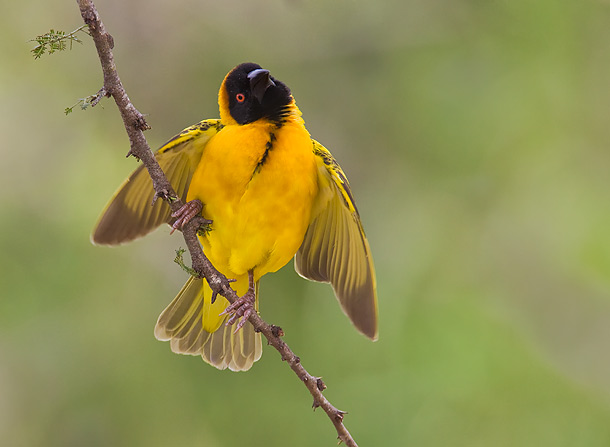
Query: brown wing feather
column 129, row 214
column 335, row 248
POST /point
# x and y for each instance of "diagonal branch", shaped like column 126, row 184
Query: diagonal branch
column 135, row 124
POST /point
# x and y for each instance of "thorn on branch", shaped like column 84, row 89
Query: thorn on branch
column 320, row 384
column 277, row 331
column 131, row 153
column 219, row 283
column 339, row 415
column 163, row 194
column 215, row 292
column 141, row 124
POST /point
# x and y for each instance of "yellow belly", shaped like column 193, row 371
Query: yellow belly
column 260, row 213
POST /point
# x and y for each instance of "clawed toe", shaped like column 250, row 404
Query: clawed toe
column 185, row 213
column 241, row 308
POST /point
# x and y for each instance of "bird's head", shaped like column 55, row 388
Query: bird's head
column 249, row 93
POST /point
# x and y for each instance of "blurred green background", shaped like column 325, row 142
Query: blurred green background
column 475, row 136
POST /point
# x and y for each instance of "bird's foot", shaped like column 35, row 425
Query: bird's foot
column 185, row 213
column 241, row 307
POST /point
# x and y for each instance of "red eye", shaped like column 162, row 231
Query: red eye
column 240, row 97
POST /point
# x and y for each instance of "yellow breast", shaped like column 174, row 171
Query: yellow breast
column 257, row 184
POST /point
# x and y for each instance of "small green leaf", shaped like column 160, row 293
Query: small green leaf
column 56, row 41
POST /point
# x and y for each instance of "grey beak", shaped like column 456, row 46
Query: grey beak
column 260, row 81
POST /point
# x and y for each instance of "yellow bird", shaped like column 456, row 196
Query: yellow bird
column 272, row 193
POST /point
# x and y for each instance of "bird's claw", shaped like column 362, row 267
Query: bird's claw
column 185, row 213
column 241, row 308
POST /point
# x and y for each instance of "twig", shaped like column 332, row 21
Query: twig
column 91, row 100
column 135, row 124
column 55, row 41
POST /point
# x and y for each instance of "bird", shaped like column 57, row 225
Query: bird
column 271, row 193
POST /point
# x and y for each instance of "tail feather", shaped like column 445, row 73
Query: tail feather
column 193, row 326
column 179, row 318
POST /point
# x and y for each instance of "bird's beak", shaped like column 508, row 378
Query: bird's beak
column 260, row 81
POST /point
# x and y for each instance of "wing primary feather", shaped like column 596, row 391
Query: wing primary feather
column 129, row 214
column 335, row 248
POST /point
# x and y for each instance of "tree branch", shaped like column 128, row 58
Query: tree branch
column 135, row 124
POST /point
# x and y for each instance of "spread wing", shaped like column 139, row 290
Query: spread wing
column 335, row 248
column 129, row 214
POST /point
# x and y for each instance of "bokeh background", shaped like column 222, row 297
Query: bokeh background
column 476, row 139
